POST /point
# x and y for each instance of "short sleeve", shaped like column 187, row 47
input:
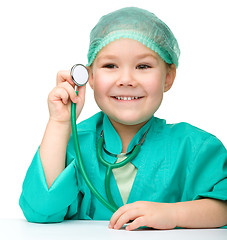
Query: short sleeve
column 40, row 204
column 208, row 173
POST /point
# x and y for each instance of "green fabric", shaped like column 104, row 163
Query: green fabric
column 177, row 162
column 137, row 24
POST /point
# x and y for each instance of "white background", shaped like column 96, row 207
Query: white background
column 39, row 38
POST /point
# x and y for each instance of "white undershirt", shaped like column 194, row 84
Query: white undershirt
column 124, row 177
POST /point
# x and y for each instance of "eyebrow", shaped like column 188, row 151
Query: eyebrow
column 144, row 55
column 106, row 57
column 140, row 56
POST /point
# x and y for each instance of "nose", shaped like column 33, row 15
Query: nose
column 126, row 78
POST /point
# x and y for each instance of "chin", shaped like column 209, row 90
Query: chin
column 130, row 119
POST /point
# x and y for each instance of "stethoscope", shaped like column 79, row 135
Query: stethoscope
column 80, row 76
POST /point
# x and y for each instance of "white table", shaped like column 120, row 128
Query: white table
column 21, row 229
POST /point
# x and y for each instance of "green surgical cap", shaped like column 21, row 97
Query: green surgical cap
column 137, row 24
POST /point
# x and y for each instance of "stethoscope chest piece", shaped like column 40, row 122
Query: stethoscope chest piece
column 79, row 74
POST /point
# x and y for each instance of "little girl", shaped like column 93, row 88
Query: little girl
column 179, row 177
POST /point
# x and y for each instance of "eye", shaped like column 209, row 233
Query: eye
column 109, row 66
column 143, row 66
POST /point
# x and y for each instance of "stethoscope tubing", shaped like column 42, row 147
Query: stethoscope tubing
column 111, row 166
column 112, row 207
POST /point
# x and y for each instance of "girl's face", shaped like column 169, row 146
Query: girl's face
column 128, row 80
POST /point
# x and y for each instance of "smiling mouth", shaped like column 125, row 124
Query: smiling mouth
column 124, row 98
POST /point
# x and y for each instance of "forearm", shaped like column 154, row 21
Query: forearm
column 53, row 149
column 204, row 213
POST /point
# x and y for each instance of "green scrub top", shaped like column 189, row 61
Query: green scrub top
column 176, row 163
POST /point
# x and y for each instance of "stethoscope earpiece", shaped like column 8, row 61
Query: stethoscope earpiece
column 79, row 74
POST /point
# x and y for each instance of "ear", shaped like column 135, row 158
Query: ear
column 170, row 76
column 90, row 80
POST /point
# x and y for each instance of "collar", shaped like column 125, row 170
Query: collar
column 113, row 142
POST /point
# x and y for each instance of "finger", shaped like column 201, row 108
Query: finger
column 59, row 94
column 70, row 90
column 138, row 222
column 117, row 214
column 121, row 211
column 64, row 76
column 126, row 217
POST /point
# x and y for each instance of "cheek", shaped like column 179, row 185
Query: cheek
column 100, row 86
column 154, row 87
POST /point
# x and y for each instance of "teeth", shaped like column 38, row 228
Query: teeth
column 127, row 98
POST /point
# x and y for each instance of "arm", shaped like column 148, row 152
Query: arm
column 42, row 200
column 40, row 204
column 204, row 213
column 206, row 181
column 53, row 149
column 58, row 130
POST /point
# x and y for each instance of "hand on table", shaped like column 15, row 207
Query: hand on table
column 150, row 214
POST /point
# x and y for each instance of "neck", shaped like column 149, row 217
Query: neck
column 126, row 132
